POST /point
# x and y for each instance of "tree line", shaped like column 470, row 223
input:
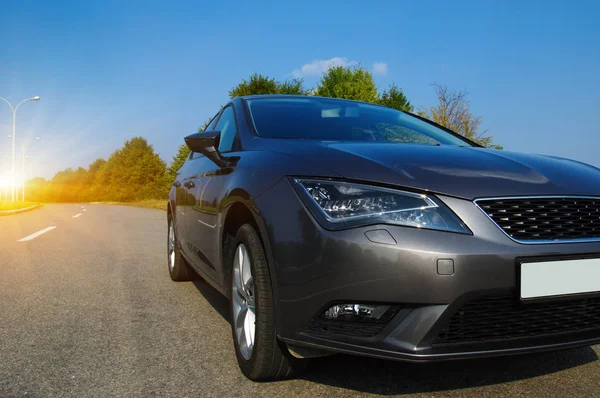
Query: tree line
column 135, row 172
column 131, row 173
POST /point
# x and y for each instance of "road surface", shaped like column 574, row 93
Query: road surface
column 87, row 309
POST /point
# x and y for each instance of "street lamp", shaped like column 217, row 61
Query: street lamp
column 14, row 132
column 23, row 173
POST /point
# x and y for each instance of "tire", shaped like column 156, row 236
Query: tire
column 178, row 268
column 268, row 358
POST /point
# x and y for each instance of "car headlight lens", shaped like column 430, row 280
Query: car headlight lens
column 339, row 205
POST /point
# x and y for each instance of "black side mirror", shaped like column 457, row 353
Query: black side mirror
column 207, row 143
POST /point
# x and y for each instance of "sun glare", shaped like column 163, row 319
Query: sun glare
column 5, row 182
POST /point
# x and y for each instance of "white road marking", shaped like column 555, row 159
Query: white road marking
column 77, row 215
column 35, row 235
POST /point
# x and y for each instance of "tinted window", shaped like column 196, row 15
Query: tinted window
column 340, row 120
column 211, row 125
column 228, row 129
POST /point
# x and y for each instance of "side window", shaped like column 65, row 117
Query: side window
column 211, row 124
column 228, row 129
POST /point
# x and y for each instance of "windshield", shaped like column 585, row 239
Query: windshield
column 318, row 118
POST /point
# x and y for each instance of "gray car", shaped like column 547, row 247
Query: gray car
column 336, row 226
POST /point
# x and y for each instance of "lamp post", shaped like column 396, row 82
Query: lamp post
column 14, row 132
column 23, row 173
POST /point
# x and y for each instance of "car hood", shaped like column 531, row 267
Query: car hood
column 463, row 172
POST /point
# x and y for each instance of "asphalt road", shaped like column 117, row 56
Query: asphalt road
column 87, row 309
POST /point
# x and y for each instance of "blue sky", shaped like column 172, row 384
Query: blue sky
column 111, row 70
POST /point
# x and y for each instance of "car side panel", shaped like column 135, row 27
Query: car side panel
column 197, row 235
column 177, row 200
column 255, row 173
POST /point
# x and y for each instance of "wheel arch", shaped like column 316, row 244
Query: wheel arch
column 240, row 209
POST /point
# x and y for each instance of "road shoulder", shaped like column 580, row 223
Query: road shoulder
column 17, row 211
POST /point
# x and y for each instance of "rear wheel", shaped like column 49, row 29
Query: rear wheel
column 260, row 354
column 178, row 269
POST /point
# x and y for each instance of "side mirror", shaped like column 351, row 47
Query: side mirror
column 204, row 142
column 207, row 143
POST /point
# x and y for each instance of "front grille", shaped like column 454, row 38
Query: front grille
column 545, row 219
column 506, row 318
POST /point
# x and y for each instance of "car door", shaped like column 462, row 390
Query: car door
column 181, row 193
column 202, row 219
column 190, row 180
column 194, row 185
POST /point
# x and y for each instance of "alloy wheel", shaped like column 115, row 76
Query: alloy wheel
column 171, row 246
column 244, row 308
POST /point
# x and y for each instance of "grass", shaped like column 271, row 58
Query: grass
column 15, row 205
column 150, row 203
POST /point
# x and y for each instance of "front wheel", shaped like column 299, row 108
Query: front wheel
column 260, row 354
column 178, row 269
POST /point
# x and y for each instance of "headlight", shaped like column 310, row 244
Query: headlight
column 338, row 205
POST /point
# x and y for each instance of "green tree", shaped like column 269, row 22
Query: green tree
column 133, row 172
column 292, row 87
column 452, row 111
column 355, row 83
column 36, row 182
column 95, row 166
column 67, row 185
column 90, row 177
column 259, row 84
column 183, row 152
column 395, row 98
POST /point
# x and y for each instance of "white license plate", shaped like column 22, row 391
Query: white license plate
column 559, row 278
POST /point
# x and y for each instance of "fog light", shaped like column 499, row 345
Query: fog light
column 356, row 320
column 356, row 312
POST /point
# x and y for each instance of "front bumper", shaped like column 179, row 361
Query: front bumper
column 313, row 268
